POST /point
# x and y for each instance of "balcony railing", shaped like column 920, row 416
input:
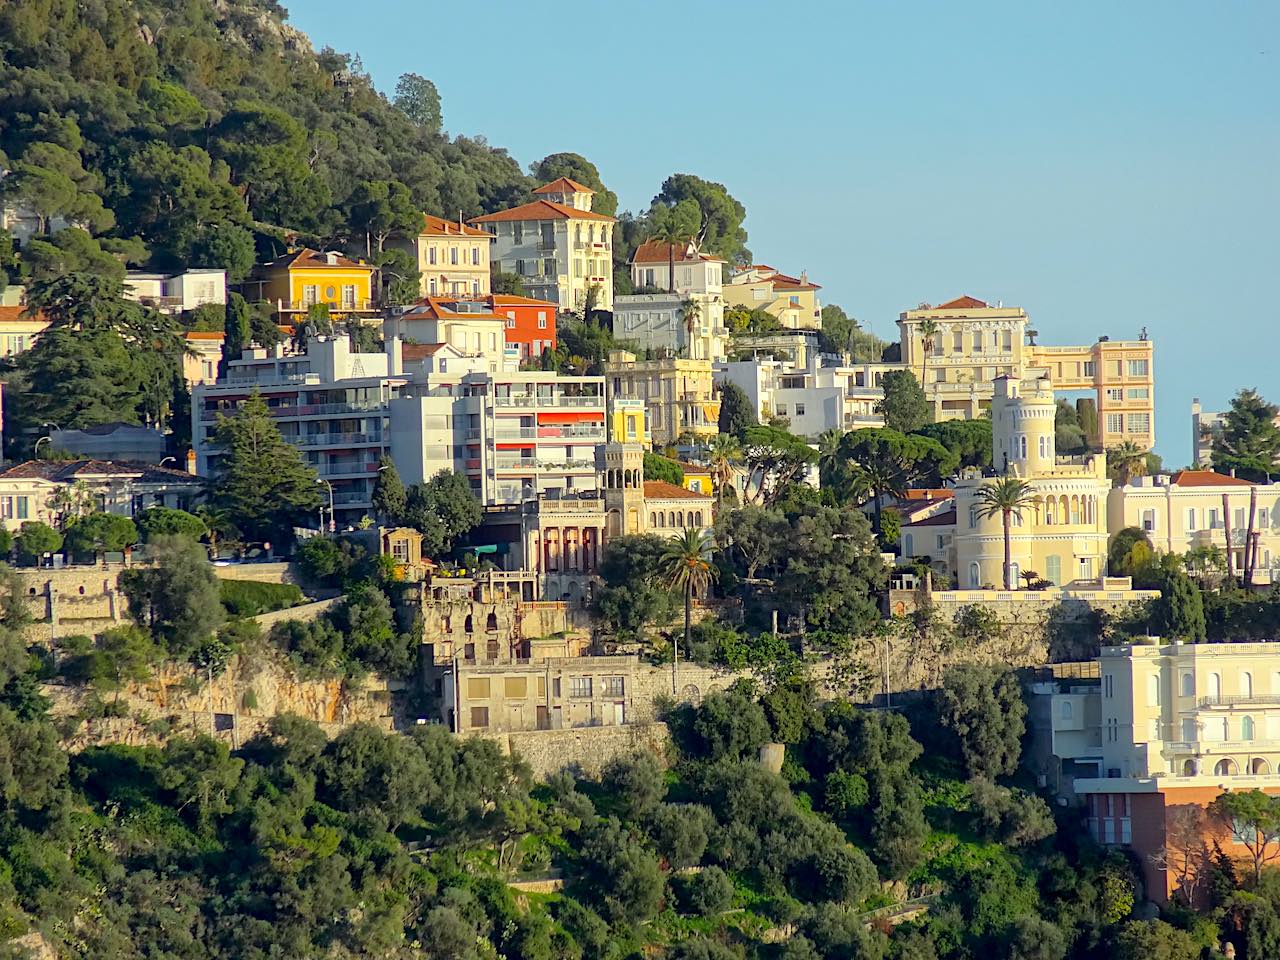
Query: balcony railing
column 337, row 306
column 561, row 401
column 334, row 439
column 1235, row 699
column 550, row 433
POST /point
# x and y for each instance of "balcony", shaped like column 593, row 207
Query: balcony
column 549, row 433
column 554, row 401
column 1240, row 699
column 335, row 439
column 303, row 410
column 347, row 306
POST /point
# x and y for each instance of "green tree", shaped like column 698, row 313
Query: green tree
column 1154, row 940
column 1070, row 437
column 636, row 782
column 830, row 569
column 100, row 533
column 579, row 168
column 724, row 453
column 1125, row 461
column 1128, row 552
column 418, row 99
column 686, row 563
column 968, row 442
column 1006, row 497
column 658, row 467
column 508, row 284
column 889, row 461
column 35, row 539
column 261, row 481
column 1250, row 442
column 1179, row 612
column 127, row 654
column 1253, row 817
column 721, row 216
column 164, row 521
column 775, row 459
column 442, row 510
column 380, row 208
column 633, row 594
column 904, row 406
column 736, row 411
column 985, row 711
column 177, row 596
column 730, row 725
column 51, row 180
column 237, row 332
column 389, row 500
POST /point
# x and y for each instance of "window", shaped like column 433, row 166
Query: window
column 975, row 575
column 1191, row 520
column 1066, row 710
column 23, row 506
column 1148, row 520
column 1139, row 422
column 1188, row 685
column 1246, row 728
column 542, row 319
column 1139, row 393
column 479, row 717
column 973, row 517
column 957, row 342
column 1108, row 686
column 1044, row 446
column 1053, row 569
column 1188, row 730
column 310, row 295
column 517, row 232
column 782, row 409
column 431, row 286
column 1215, row 687
column 431, row 254
column 1115, row 423
column 799, row 409
column 580, row 687
column 908, row 545
column 1153, row 690
column 349, row 296
column 475, row 256
column 1088, row 368
column 511, row 323
column 1115, row 393
column 1246, row 684
column 615, row 686
column 1213, row 519
column 1137, row 368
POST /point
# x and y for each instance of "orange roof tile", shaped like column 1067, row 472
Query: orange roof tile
column 440, row 227
column 204, row 335
column 655, row 251
column 661, row 490
column 14, row 314
column 541, row 210
column 962, row 303
column 309, row 259
column 564, row 185
column 1206, row 478
column 441, row 308
column 420, row 351
column 511, row 300
column 944, row 519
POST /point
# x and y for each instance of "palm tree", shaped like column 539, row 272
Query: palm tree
column 928, row 336
column 218, row 523
column 724, row 453
column 1006, row 496
column 690, row 313
column 1128, row 460
column 834, row 470
column 670, row 231
column 686, row 563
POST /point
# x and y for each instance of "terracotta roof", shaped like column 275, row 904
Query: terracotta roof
column 440, row 227
column 564, row 185
column 688, row 467
column 929, row 493
column 14, row 314
column 655, row 251
column 541, row 210
column 204, row 335
column 420, row 351
column 511, row 300
column 308, row 259
column 945, row 519
column 961, row 303
column 661, row 490
column 65, row 471
column 1206, row 478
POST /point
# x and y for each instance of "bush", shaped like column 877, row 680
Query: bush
column 636, row 782
column 679, row 832
column 247, row 598
column 36, row 539
column 706, row 893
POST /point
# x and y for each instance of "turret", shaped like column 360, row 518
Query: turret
column 1022, row 426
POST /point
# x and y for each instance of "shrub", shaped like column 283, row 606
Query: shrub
column 706, row 893
column 247, row 598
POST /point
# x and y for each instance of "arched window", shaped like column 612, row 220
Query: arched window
column 653, row 519
column 1050, row 512
column 662, row 520
column 1215, row 686
column 1246, row 728
column 491, row 623
column 1075, row 509
column 1188, row 768
column 671, row 518
column 1246, row 684
column 975, row 575
column 447, row 626
column 1153, row 690
column 908, row 548
column 1226, row 767
column 1066, row 710
column 1260, row 768
column 467, row 625
column 1064, row 509
column 697, row 519
column 1188, row 685
column 1015, row 574
column 680, row 519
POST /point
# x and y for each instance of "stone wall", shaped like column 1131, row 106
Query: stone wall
column 583, row 749
column 306, row 612
column 236, row 705
column 259, row 572
column 82, row 598
column 653, row 685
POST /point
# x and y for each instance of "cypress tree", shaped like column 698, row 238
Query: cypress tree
column 1180, row 610
column 388, row 493
column 237, row 330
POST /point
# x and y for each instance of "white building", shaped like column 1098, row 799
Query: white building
column 684, row 318
column 177, row 292
column 558, row 246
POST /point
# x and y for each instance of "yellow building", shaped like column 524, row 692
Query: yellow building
column 1063, row 537
column 294, row 283
column 18, row 330
column 628, row 421
column 793, row 300
column 697, row 479
column 974, row 343
column 679, row 394
column 452, row 257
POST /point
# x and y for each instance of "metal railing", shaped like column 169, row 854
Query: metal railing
column 334, row 439
column 554, row 401
column 1232, row 699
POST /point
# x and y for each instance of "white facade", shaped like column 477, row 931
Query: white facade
column 656, row 322
column 177, row 292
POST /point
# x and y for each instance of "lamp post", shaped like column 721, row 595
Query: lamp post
column 332, row 524
column 36, row 451
column 166, row 460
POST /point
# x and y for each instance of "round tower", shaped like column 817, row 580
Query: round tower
column 1022, row 426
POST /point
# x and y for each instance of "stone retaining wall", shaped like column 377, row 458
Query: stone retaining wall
column 583, row 749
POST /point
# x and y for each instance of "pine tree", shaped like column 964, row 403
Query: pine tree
column 1250, row 441
column 262, row 482
column 388, row 493
column 1180, row 610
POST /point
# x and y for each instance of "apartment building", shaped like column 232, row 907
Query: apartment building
column 452, row 258
column 177, row 292
column 294, row 283
column 513, row 434
column 1167, row 727
column 1201, row 508
column 557, row 245
column 975, row 343
column 793, row 300
column 1063, row 536
column 679, row 394
column 50, row 491
column 333, row 404
column 681, row 315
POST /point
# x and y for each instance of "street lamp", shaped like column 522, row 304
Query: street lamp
column 332, row 525
column 167, row 459
column 36, row 451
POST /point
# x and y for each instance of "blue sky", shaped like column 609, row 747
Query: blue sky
column 1106, row 166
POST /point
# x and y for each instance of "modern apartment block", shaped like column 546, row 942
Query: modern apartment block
column 177, row 292
column 1200, row 508
column 330, row 402
column 1165, row 729
column 557, row 245
column 679, row 394
column 976, row 342
column 452, row 258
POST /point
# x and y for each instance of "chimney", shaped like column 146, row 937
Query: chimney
column 394, row 346
column 191, row 462
column 804, row 276
column 331, row 258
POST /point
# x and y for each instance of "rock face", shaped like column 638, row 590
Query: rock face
column 233, row 707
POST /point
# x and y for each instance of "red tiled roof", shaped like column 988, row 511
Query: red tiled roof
column 14, row 314
column 441, row 308
column 309, row 259
column 782, row 282
column 1206, row 478
column 655, row 251
column 929, row 493
column 564, row 185
column 511, row 300
column 440, row 227
column 420, row 351
column 661, row 490
column 65, row 471
column 541, row 210
column 204, row 335
column 945, row 519
column 962, row 303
